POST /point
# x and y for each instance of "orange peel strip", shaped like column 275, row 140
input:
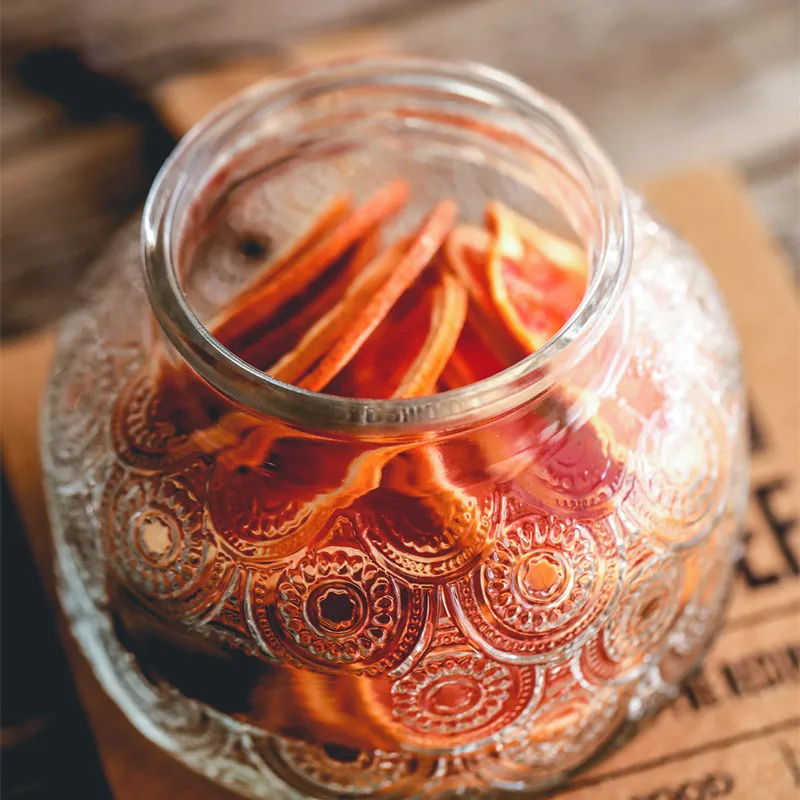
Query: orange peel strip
column 335, row 212
column 467, row 253
column 297, row 275
column 462, row 238
column 448, row 314
column 423, row 248
column 529, row 338
column 321, row 335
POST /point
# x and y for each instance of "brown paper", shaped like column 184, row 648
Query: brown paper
column 734, row 731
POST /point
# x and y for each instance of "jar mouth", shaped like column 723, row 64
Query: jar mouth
column 491, row 89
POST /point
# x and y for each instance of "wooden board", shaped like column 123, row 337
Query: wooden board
column 736, row 726
column 659, row 84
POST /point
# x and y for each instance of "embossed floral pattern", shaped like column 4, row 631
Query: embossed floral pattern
column 145, row 426
column 542, row 586
column 456, row 697
column 341, row 770
column 570, row 721
column 337, row 610
column 648, row 608
column 154, row 534
column 493, row 636
column 430, row 540
column 681, row 474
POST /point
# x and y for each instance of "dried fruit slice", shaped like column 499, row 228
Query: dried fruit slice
column 320, row 336
column 411, row 345
column 448, row 313
column 272, row 492
column 486, row 346
column 255, row 306
column 334, row 213
column 531, row 236
column 321, row 226
column 467, row 250
column 422, row 249
column 422, row 525
column 473, row 359
column 536, row 279
column 274, row 342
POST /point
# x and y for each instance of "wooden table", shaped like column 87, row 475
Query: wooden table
column 660, row 84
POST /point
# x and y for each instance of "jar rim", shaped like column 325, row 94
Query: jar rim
column 449, row 410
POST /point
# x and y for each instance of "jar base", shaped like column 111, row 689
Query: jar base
column 232, row 754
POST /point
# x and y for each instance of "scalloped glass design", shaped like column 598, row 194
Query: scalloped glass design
column 489, row 637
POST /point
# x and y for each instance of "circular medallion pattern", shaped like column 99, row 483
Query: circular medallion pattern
column 129, row 502
column 458, row 698
column 709, row 567
column 541, row 587
column 342, row 771
column 154, row 535
column 146, row 426
column 85, row 383
column 681, row 475
column 638, row 631
column 271, row 509
column 432, row 539
column 570, row 724
column 336, row 610
column 579, row 472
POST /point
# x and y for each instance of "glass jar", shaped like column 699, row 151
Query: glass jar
column 473, row 591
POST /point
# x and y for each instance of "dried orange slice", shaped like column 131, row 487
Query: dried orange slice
column 531, row 237
column 466, row 251
column 378, row 367
column 303, row 312
column 423, row 248
column 334, row 212
column 405, row 355
column 261, row 303
column 448, row 314
column 330, row 216
column 320, row 336
column 536, row 279
column 473, row 358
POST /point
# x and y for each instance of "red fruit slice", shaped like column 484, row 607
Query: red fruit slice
column 533, row 239
column 422, row 249
column 467, row 252
column 536, row 279
column 304, row 311
column 251, row 309
column 320, row 337
column 406, row 354
column 472, row 360
column 271, row 493
column 448, row 313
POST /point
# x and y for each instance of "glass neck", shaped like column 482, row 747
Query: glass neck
column 453, row 114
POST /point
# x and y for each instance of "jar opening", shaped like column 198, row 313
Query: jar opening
column 456, row 128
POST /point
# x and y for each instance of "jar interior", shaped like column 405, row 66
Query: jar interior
column 264, row 194
column 247, row 182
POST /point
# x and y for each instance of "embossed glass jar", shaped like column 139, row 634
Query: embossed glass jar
column 477, row 590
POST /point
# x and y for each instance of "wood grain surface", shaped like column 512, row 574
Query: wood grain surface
column 660, row 84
